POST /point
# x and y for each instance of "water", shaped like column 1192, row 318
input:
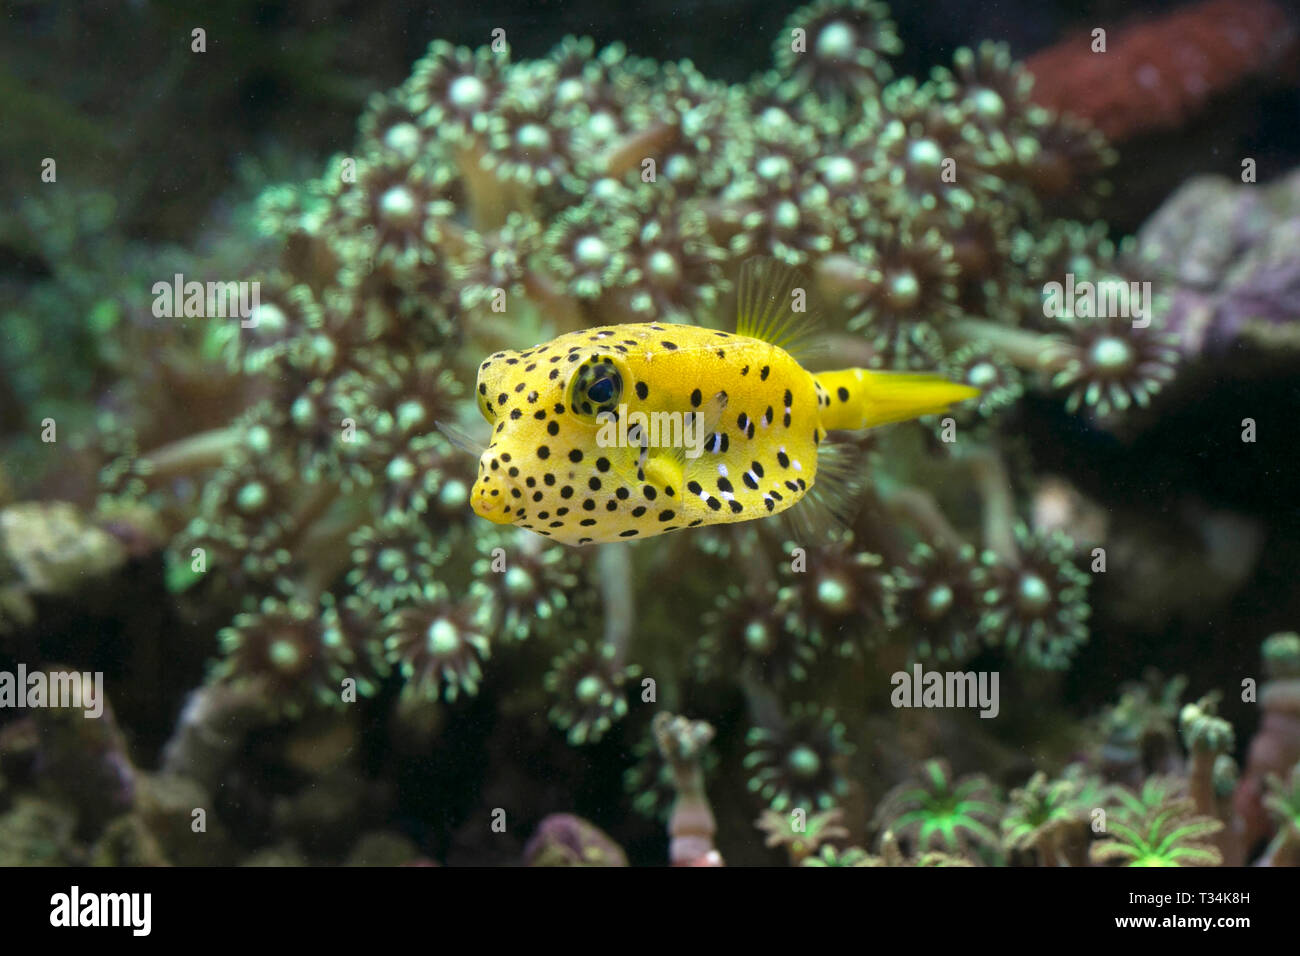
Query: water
column 248, row 272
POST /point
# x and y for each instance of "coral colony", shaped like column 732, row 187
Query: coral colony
column 788, row 684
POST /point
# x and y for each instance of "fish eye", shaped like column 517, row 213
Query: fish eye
column 603, row 389
column 597, row 387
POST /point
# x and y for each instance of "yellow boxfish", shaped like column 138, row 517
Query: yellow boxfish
column 629, row 431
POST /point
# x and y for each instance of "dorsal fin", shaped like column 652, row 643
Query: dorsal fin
column 765, row 307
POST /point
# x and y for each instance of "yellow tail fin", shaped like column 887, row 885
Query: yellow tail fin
column 860, row 398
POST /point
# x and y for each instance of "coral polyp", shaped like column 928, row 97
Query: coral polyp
column 1114, row 364
column 437, row 644
column 940, row 595
column 797, row 762
column 587, row 689
column 755, row 628
column 280, row 649
column 1040, row 609
column 839, row 53
column 939, row 813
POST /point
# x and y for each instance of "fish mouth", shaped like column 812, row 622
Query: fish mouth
column 489, row 505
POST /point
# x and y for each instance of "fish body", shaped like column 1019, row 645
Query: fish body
column 629, row 431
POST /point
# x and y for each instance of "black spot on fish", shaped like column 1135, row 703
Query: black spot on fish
column 642, row 390
column 762, row 375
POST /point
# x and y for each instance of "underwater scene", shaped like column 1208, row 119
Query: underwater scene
column 711, row 433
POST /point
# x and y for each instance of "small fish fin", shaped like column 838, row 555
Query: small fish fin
column 710, row 414
column 835, row 497
column 900, row 396
column 765, row 307
column 460, row 439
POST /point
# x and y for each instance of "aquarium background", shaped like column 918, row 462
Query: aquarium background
column 314, row 653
